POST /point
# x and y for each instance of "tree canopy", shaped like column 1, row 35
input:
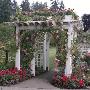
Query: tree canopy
column 25, row 5
column 14, row 7
column 39, row 6
column 86, row 21
column 54, row 5
column 5, row 10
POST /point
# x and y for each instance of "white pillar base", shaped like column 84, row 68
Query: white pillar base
column 33, row 66
column 68, row 69
column 17, row 61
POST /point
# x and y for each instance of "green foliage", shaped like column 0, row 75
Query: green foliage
column 52, row 42
column 61, row 43
column 7, row 66
column 71, row 12
column 27, row 48
column 5, row 9
column 55, row 5
column 7, row 43
column 39, row 6
column 21, row 17
column 25, row 5
column 7, row 38
column 78, row 64
column 14, row 7
column 38, row 17
column 87, row 59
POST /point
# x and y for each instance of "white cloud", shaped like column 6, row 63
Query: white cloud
column 80, row 6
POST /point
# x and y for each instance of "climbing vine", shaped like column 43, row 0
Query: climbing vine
column 27, row 47
column 60, row 37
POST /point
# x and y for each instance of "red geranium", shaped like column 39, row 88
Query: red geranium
column 64, row 78
column 14, row 71
column 24, row 73
column 74, row 78
column 3, row 72
column 81, row 83
column 20, row 72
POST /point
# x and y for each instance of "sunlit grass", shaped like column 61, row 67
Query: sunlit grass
column 52, row 53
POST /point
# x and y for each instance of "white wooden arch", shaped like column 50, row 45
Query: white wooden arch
column 33, row 25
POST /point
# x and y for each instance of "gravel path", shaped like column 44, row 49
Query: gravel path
column 39, row 82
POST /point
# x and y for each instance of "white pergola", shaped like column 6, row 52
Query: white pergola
column 34, row 25
column 68, row 23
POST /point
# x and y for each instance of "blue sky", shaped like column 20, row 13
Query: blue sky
column 80, row 6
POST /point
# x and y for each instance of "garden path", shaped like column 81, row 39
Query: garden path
column 39, row 82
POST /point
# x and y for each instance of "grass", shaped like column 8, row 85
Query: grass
column 52, row 54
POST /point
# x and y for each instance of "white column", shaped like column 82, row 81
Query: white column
column 33, row 66
column 45, row 49
column 17, row 60
column 68, row 68
column 47, row 52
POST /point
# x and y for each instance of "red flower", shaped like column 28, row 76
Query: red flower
column 14, row 71
column 74, row 78
column 81, row 83
column 7, row 71
column 3, row 72
column 20, row 72
column 64, row 78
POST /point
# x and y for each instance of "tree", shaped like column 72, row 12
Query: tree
column 5, row 10
column 39, row 6
column 61, row 5
column 54, row 4
column 14, row 7
column 86, row 21
column 25, row 5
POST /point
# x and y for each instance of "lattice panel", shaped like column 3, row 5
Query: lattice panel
column 39, row 57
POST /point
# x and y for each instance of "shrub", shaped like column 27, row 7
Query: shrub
column 12, row 76
column 72, row 82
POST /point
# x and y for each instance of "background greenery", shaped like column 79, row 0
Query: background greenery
column 52, row 55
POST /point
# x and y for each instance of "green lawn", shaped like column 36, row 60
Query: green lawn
column 52, row 54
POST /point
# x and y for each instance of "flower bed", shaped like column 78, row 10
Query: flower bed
column 72, row 82
column 13, row 76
